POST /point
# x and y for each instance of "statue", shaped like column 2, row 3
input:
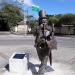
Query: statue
column 44, row 41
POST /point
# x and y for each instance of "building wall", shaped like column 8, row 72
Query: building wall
column 21, row 28
column 73, row 30
column 65, row 30
column 57, row 30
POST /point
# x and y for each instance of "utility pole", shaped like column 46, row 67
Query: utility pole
column 25, row 15
column 26, row 20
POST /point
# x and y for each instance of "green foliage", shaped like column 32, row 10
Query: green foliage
column 59, row 19
column 11, row 15
column 58, row 16
column 3, row 22
column 53, row 19
column 33, row 24
column 68, row 19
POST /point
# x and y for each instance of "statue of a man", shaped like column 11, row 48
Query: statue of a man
column 44, row 41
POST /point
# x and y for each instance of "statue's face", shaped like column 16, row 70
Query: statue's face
column 44, row 21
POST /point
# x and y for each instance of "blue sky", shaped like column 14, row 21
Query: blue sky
column 55, row 6
column 50, row 6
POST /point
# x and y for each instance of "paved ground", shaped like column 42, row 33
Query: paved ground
column 16, row 40
column 63, row 57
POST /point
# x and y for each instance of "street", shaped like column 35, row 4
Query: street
column 64, row 56
column 13, row 40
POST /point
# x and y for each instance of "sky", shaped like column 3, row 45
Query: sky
column 50, row 6
column 56, row 6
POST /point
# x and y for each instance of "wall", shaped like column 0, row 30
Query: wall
column 21, row 28
column 65, row 30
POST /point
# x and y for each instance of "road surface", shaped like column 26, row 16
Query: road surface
column 10, row 40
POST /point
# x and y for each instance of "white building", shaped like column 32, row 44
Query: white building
column 22, row 27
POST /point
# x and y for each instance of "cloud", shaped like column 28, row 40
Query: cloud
column 26, row 2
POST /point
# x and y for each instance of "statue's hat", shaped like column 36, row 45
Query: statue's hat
column 42, row 14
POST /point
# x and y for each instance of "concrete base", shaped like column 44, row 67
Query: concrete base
column 18, row 63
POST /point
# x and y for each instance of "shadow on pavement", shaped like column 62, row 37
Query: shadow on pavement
column 7, row 67
column 32, row 67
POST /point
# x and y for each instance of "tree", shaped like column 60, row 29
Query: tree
column 11, row 15
column 68, row 19
column 3, row 22
column 58, row 16
column 33, row 24
column 53, row 19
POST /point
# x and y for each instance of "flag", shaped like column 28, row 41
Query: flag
column 35, row 8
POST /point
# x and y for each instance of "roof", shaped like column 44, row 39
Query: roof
column 22, row 23
column 67, row 25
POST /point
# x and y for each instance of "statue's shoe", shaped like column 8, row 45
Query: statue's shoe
column 39, row 74
column 41, row 71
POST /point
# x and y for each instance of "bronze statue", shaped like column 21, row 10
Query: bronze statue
column 44, row 41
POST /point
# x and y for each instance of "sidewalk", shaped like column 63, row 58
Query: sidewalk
column 56, row 69
column 4, row 33
column 61, row 60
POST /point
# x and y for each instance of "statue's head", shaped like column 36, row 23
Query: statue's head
column 42, row 17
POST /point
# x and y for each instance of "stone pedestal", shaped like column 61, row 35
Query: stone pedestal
column 18, row 63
